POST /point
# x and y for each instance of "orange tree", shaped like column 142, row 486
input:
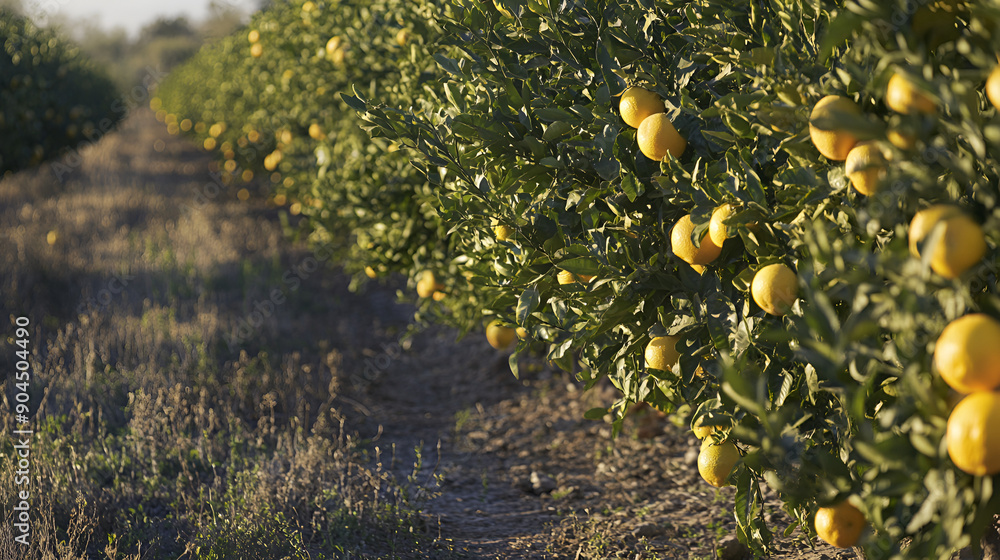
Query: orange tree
column 267, row 100
column 820, row 370
column 51, row 97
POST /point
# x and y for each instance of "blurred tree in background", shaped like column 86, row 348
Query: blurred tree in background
column 162, row 44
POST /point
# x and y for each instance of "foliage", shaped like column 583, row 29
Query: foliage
column 836, row 398
column 516, row 125
column 38, row 120
column 258, row 113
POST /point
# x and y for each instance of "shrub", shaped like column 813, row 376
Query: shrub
column 51, row 98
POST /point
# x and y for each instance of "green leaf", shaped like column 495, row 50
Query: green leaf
column 581, row 265
column 595, row 413
column 526, row 304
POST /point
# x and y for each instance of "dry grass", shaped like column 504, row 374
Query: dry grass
column 156, row 436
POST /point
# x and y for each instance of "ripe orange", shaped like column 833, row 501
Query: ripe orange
column 702, row 432
column 900, row 139
column 972, row 436
column 256, row 50
column 993, row 87
column 253, row 36
column 567, row 277
column 960, row 245
column 661, row 353
column 903, row 96
column 967, row 354
column 333, row 45
column 637, row 103
column 503, row 233
column 499, row 336
column 775, row 288
column 658, row 138
column 833, row 144
column 840, row 525
column 718, row 231
column 716, row 461
column 681, row 245
column 428, row 285
column 402, row 37
column 865, row 167
column 272, row 160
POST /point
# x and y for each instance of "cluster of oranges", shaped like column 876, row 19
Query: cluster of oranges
column 967, row 353
column 840, row 524
column 774, row 287
column 954, row 240
column 967, row 357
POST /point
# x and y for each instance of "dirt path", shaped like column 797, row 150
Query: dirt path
column 501, row 468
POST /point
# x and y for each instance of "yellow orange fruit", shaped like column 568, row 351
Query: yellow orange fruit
column 701, row 431
column 256, row 50
column 900, row 139
column 716, row 461
column 833, row 144
column 972, row 437
column 253, row 36
column 865, row 167
column 993, row 87
column 840, row 525
column 333, row 44
column 567, row 277
column 316, row 132
column 718, row 231
column 499, row 336
column 680, row 243
column 657, row 138
column 503, row 233
column 661, row 353
column 428, row 284
column 272, row 160
column 959, row 246
column 967, row 354
column 903, row 96
column 402, row 37
column 775, row 288
column 638, row 103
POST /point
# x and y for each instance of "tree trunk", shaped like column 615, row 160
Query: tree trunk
column 991, row 542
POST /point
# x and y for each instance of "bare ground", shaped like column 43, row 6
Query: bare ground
column 499, row 467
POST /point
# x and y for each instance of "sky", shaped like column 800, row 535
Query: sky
column 130, row 14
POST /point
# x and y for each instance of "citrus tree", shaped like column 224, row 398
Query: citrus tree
column 51, row 97
column 764, row 213
column 268, row 101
